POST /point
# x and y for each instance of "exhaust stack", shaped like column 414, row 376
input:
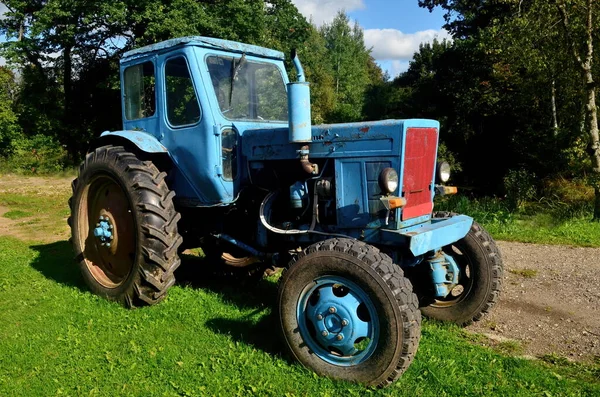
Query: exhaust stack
column 299, row 105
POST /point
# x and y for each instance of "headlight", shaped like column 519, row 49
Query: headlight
column 443, row 171
column 388, row 180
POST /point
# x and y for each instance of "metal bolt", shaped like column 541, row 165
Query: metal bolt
column 110, row 227
column 324, row 333
column 344, row 322
column 319, row 317
column 340, row 337
column 111, row 238
column 332, row 309
column 108, row 244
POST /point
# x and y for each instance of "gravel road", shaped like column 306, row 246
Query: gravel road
column 550, row 301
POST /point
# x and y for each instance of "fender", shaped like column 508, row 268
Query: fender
column 143, row 140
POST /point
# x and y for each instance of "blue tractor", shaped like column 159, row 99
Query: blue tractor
column 217, row 151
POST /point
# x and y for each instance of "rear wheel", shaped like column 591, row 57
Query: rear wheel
column 347, row 312
column 234, row 264
column 480, row 281
column 124, row 227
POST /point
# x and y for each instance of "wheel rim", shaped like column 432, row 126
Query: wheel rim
column 338, row 321
column 105, row 205
column 465, row 280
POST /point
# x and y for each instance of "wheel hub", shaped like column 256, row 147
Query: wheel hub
column 104, row 231
column 342, row 317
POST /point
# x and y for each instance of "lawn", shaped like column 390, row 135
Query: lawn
column 206, row 338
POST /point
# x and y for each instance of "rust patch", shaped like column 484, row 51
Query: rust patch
column 364, row 130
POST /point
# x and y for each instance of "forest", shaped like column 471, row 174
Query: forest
column 514, row 89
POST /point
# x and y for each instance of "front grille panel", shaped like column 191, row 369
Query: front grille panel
column 419, row 165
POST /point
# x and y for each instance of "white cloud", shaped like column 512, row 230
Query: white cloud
column 392, row 44
column 3, row 9
column 322, row 11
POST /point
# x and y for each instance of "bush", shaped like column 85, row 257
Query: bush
column 39, row 154
column 568, row 198
column 520, row 188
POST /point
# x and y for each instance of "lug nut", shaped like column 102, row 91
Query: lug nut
column 319, row 317
column 339, row 337
column 332, row 309
column 108, row 244
column 97, row 225
column 324, row 333
column 344, row 322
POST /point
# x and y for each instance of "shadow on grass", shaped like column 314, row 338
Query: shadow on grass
column 55, row 261
column 259, row 295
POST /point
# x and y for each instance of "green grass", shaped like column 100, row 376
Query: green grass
column 17, row 214
column 526, row 273
column 208, row 338
column 535, row 223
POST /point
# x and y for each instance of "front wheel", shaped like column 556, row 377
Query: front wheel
column 347, row 312
column 480, row 281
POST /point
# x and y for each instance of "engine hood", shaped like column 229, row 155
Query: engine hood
column 364, row 139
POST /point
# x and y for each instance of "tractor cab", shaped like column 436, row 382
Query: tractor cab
column 196, row 96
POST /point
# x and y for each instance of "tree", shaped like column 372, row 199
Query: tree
column 9, row 128
column 349, row 60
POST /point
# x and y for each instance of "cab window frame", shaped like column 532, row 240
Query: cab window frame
column 168, row 121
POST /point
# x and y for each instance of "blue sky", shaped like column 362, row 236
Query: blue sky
column 393, row 28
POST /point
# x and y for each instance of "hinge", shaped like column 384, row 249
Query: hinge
column 219, row 170
column 216, row 130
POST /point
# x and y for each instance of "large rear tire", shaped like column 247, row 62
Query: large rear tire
column 124, row 227
column 347, row 312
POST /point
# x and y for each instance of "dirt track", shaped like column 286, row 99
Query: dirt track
column 550, row 301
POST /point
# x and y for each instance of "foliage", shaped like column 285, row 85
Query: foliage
column 40, row 154
column 9, row 127
column 540, row 223
column 520, row 188
column 349, row 60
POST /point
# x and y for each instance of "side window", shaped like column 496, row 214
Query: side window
column 229, row 154
column 182, row 104
column 140, row 93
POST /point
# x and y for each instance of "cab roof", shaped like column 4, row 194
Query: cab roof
column 207, row 42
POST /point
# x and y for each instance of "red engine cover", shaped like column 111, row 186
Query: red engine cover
column 419, row 163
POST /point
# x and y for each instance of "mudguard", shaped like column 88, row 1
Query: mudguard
column 143, row 140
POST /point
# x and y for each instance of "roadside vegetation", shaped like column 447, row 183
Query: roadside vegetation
column 207, row 338
column 553, row 211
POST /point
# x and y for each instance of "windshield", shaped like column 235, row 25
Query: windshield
column 248, row 90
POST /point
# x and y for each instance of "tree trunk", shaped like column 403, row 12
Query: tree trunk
column 554, row 113
column 592, row 116
column 67, row 80
column 586, row 65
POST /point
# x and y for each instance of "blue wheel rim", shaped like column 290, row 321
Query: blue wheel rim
column 338, row 321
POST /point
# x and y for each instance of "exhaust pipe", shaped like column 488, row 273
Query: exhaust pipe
column 299, row 105
column 299, row 114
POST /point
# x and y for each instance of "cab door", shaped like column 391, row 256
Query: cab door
column 188, row 132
